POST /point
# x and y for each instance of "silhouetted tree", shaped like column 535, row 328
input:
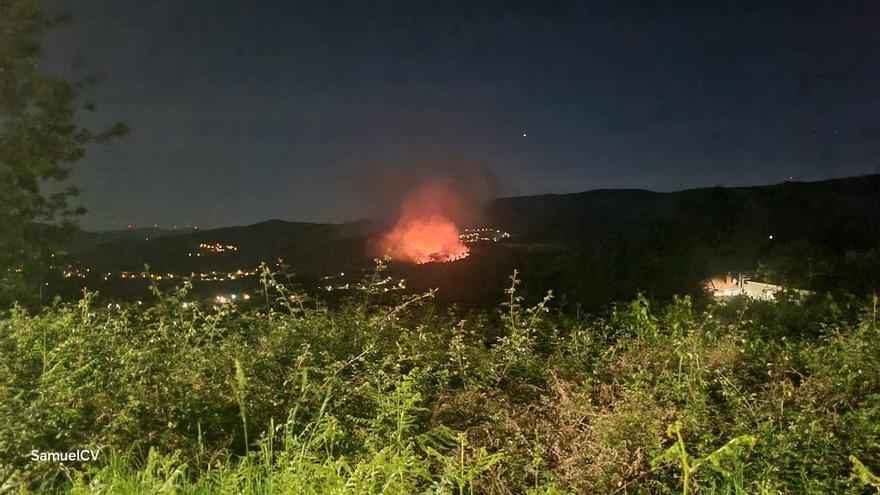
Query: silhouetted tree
column 41, row 137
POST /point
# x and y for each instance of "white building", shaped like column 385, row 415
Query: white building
column 760, row 291
column 722, row 288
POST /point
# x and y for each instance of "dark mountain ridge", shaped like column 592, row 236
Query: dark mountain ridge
column 592, row 246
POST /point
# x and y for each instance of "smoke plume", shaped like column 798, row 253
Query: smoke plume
column 422, row 205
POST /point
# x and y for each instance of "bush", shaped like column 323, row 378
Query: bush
column 398, row 396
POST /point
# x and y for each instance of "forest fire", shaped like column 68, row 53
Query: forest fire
column 425, row 231
column 424, row 240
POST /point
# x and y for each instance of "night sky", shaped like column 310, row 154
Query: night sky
column 243, row 111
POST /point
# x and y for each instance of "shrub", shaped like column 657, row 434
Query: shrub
column 394, row 395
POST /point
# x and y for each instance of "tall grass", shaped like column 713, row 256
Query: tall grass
column 391, row 394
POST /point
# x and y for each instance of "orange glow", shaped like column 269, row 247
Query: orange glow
column 424, row 233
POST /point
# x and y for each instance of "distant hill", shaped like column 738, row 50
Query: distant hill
column 303, row 245
column 604, row 244
column 590, row 247
column 839, row 213
column 84, row 241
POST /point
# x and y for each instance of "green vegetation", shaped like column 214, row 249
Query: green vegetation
column 42, row 135
column 389, row 394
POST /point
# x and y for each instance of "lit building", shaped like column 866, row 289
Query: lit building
column 722, row 288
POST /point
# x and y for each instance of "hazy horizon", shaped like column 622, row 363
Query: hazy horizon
column 205, row 226
column 241, row 112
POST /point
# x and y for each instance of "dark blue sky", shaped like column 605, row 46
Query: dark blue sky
column 245, row 110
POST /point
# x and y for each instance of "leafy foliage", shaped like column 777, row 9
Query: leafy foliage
column 390, row 394
column 41, row 136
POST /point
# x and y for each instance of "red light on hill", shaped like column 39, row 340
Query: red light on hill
column 425, row 240
column 424, row 233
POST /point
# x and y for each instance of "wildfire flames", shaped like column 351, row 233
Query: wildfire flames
column 425, row 231
column 424, row 240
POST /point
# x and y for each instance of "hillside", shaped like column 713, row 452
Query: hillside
column 605, row 244
column 590, row 247
column 839, row 214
